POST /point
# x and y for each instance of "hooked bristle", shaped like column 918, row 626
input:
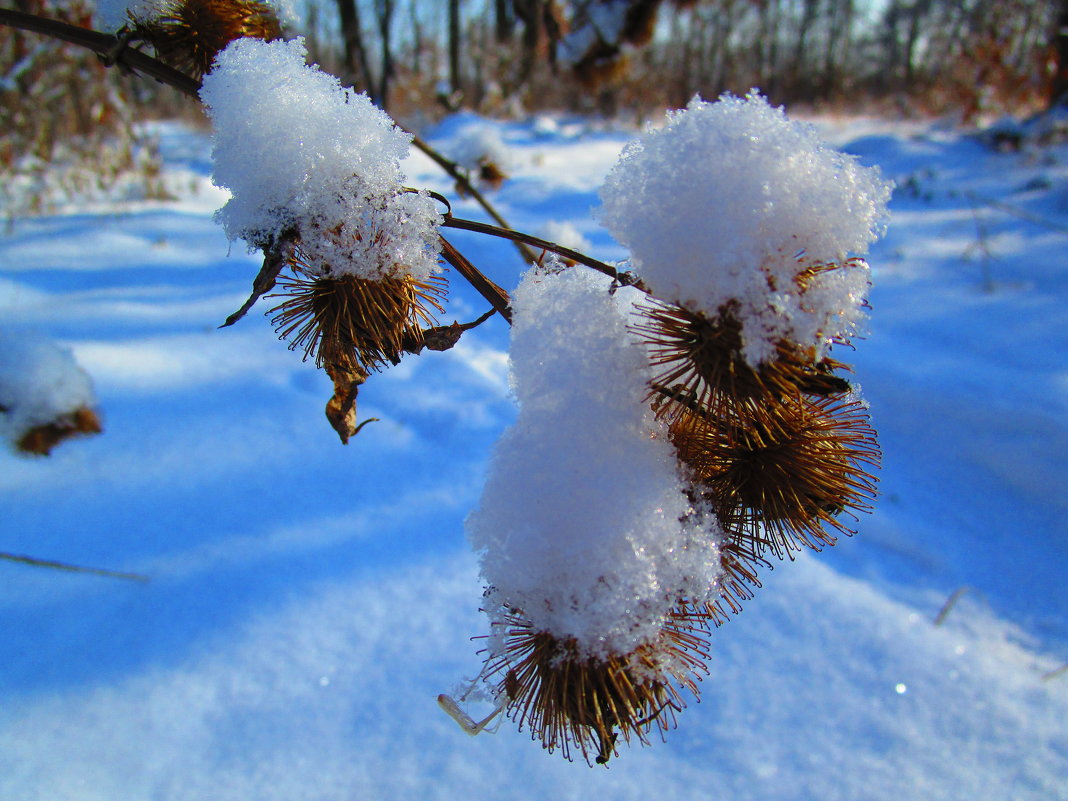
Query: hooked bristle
column 739, row 560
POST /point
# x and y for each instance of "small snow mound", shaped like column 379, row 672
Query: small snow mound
column 40, row 383
column 479, row 145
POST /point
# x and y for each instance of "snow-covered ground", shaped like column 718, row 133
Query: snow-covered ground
column 308, row 601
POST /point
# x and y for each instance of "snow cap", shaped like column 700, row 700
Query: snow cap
column 583, row 526
column 299, row 153
column 40, row 382
column 731, row 201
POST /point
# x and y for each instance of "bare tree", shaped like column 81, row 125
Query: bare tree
column 356, row 68
column 504, row 21
column 455, row 82
column 1059, row 84
column 541, row 29
column 839, row 41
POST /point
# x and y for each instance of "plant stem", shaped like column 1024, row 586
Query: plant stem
column 496, row 296
column 518, row 236
column 104, row 45
column 460, row 176
column 110, row 48
column 96, row 571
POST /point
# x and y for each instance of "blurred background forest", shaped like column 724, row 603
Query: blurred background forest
column 65, row 120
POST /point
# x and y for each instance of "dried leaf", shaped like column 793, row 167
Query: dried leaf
column 341, row 408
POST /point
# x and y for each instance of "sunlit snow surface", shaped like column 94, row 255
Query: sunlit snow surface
column 308, row 600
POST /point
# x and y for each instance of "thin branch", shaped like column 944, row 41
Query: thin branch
column 1055, row 672
column 49, row 563
column 947, row 607
column 109, row 47
column 496, row 296
column 460, row 176
column 105, row 45
column 624, row 278
column 1016, row 211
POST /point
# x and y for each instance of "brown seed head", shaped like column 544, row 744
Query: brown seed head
column 490, row 173
column 571, row 701
column 188, row 34
column 780, row 475
column 702, row 367
column 355, row 323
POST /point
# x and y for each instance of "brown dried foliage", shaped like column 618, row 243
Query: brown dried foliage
column 491, row 174
column 41, row 439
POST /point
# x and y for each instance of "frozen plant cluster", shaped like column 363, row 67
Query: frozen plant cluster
column 40, row 382
column 731, row 203
column 583, row 526
column 301, row 155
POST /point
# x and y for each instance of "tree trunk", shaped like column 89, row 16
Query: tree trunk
column 1059, row 84
column 418, row 38
column 357, row 70
column 808, row 18
column 454, row 47
column 384, row 12
column 839, row 39
column 531, row 13
column 504, row 21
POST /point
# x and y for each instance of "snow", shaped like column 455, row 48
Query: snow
column 308, row 601
column 40, row 383
column 564, row 232
column 474, row 145
column 728, row 204
column 304, row 157
column 583, row 524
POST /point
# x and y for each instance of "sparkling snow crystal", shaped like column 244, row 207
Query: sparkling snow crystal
column 583, row 526
column 731, row 201
column 302, row 155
